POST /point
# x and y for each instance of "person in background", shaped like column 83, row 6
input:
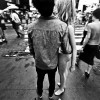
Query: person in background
column 27, row 17
column 85, row 29
column 90, row 45
column 79, row 17
column 66, row 14
column 30, row 15
column 16, row 22
column 83, row 19
column 2, row 28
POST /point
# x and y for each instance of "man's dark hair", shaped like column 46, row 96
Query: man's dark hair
column 45, row 7
column 96, row 13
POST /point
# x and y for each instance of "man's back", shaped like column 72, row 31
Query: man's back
column 95, row 33
column 45, row 35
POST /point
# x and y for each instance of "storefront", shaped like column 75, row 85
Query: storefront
column 87, row 3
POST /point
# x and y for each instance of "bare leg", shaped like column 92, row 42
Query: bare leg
column 63, row 72
column 63, row 77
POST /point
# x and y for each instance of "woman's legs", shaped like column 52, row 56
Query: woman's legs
column 63, row 72
column 63, row 76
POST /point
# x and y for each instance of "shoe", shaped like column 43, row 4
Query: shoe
column 59, row 84
column 59, row 92
column 87, row 75
column 51, row 98
column 38, row 98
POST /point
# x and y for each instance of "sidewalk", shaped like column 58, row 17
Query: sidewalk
column 18, row 77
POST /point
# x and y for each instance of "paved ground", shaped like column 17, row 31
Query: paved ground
column 18, row 77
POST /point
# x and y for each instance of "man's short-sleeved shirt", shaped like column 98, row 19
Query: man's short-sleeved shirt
column 46, row 42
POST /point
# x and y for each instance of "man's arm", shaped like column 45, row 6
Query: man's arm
column 87, row 36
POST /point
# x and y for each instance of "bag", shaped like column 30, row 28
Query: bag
column 98, row 52
column 65, row 43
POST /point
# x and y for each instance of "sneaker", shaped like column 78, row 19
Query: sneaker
column 51, row 98
column 59, row 92
column 59, row 84
column 38, row 98
column 5, row 41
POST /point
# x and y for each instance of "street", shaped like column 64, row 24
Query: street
column 18, row 76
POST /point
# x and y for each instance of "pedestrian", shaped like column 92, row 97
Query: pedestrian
column 16, row 22
column 26, row 17
column 30, row 15
column 2, row 28
column 79, row 17
column 45, row 34
column 90, row 45
column 66, row 14
column 85, row 29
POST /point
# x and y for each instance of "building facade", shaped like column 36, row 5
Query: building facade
column 87, row 3
column 20, row 3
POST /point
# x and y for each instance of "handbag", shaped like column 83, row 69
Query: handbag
column 98, row 52
column 65, row 43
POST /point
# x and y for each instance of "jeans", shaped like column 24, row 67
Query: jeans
column 40, row 78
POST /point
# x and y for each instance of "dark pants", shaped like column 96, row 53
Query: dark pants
column 84, row 35
column 16, row 27
column 40, row 78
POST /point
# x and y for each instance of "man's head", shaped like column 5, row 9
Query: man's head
column 96, row 13
column 45, row 7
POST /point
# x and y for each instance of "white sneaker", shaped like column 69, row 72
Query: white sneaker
column 58, row 84
column 59, row 92
column 51, row 98
column 38, row 98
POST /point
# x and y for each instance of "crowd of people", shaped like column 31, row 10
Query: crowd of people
column 82, row 17
column 17, row 18
column 52, row 41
